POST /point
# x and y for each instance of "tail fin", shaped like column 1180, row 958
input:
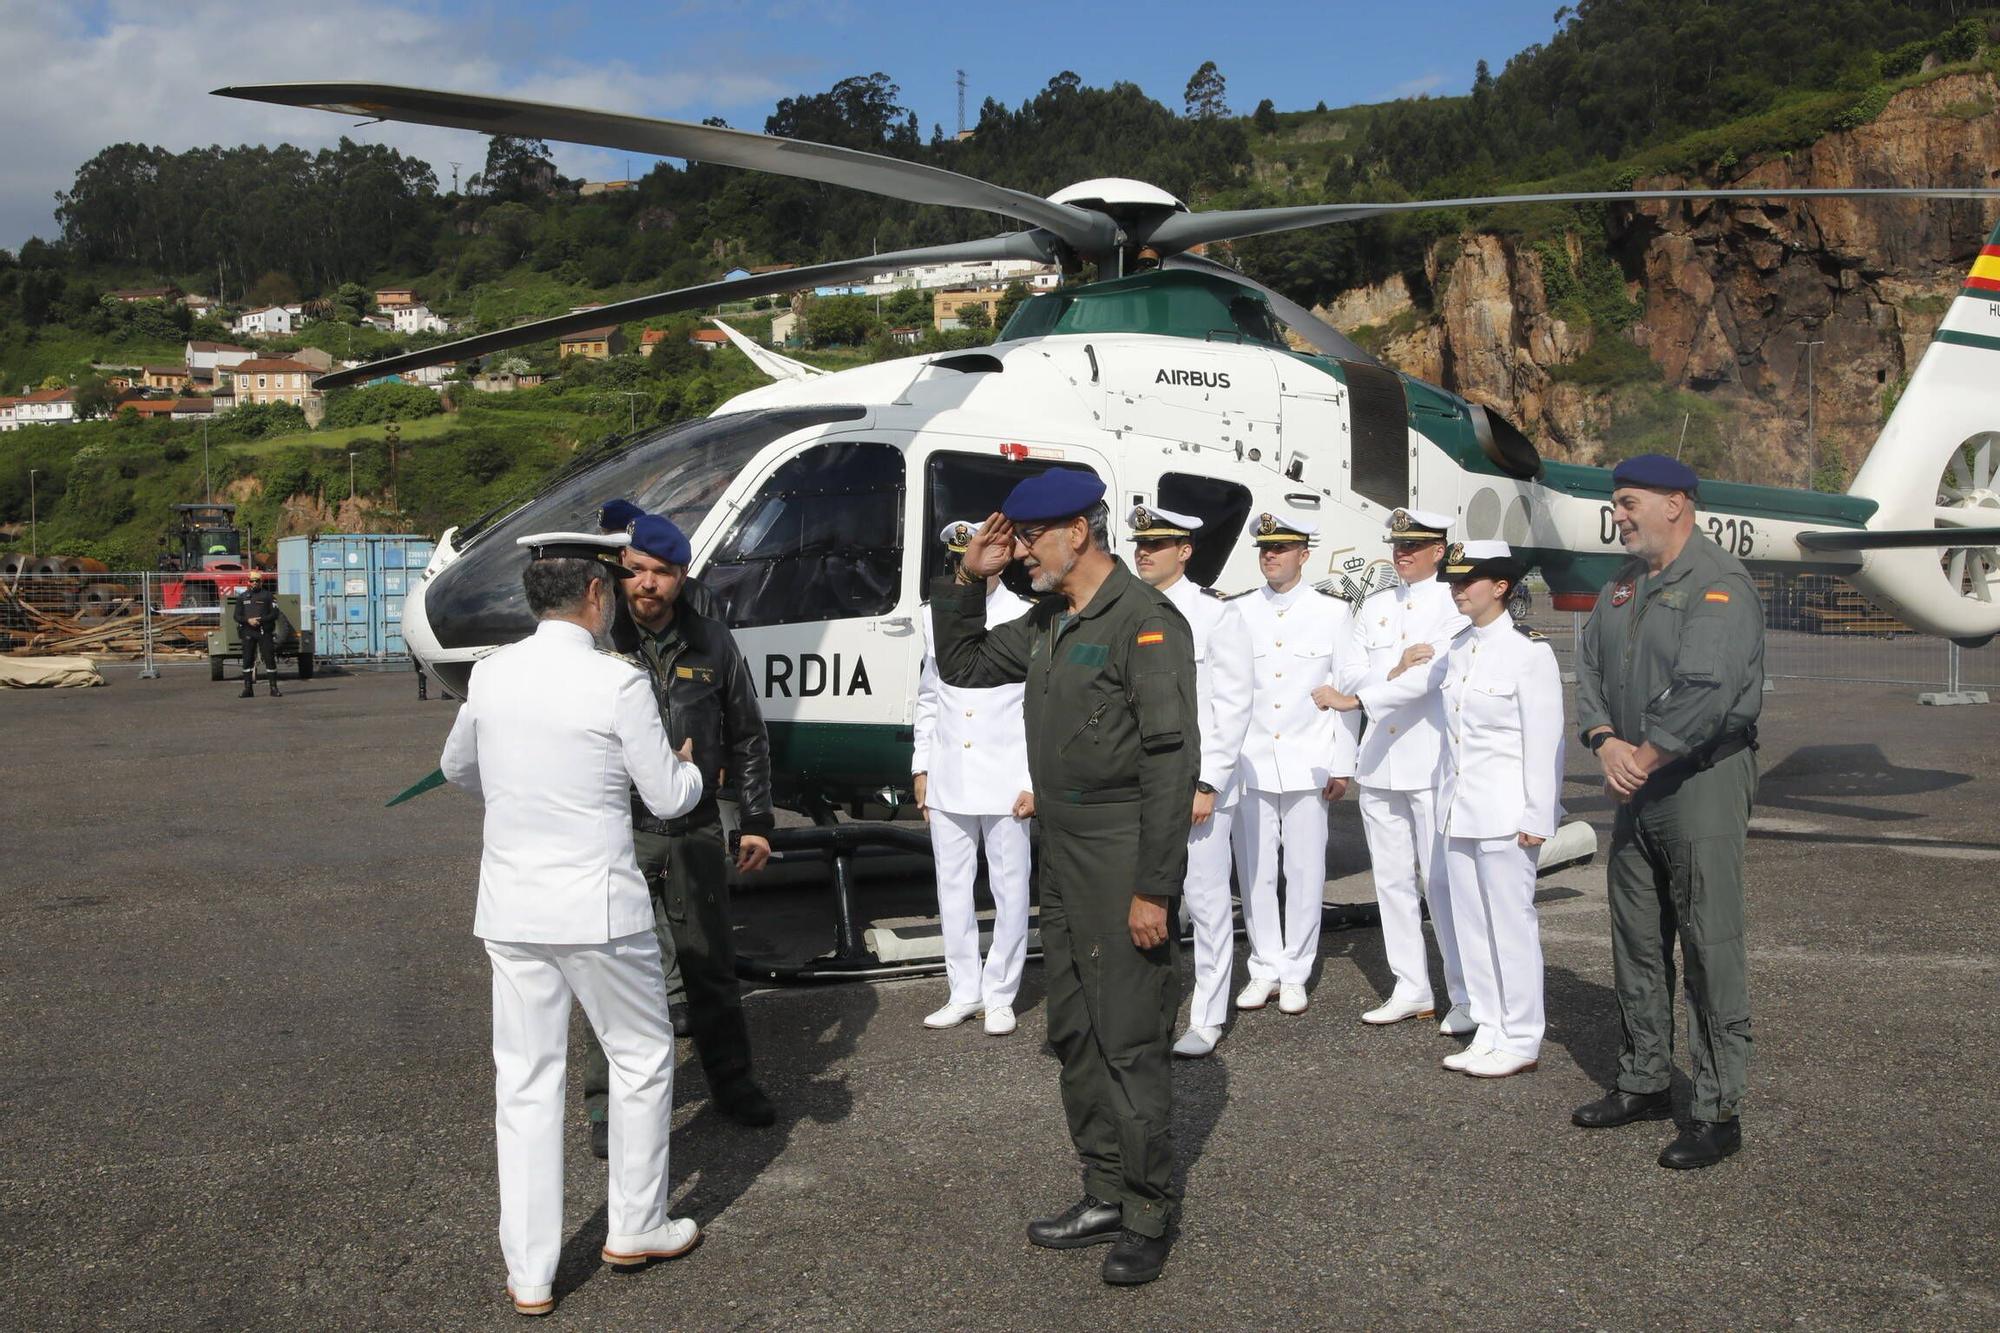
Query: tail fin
column 1934, row 465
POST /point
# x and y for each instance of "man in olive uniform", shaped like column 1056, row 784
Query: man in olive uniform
column 1670, row 681
column 257, row 624
column 1114, row 748
column 705, row 696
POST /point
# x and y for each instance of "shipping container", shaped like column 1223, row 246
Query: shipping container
column 351, row 588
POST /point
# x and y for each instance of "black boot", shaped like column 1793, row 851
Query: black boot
column 1135, row 1259
column 1619, row 1107
column 1703, row 1143
column 1089, row 1221
column 744, row 1102
column 249, row 687
column 276, row 693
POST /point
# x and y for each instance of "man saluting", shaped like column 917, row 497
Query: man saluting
column 1114, row 748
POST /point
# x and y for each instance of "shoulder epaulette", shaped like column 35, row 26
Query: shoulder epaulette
column 1210, row 592
column 627, row 658
column 1534, row 636
column 1236, row 596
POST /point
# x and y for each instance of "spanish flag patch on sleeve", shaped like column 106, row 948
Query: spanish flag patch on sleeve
column 1715, row 595
column 1152, row 636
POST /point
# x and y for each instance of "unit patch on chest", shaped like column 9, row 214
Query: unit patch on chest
column 706, row 675
column 1621, row 593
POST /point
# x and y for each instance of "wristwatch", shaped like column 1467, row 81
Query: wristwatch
column 1204, row 788
column 1597, row 739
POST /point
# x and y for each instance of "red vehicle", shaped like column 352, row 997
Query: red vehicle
column 204, row 547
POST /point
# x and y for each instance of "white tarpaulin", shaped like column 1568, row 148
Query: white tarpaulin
column 23, row 673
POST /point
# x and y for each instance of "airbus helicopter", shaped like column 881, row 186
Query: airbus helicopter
column 1169, row 376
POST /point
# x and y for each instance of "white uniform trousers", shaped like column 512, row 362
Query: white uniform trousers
column 1402, row 851
column 623, row 992
column 955, row 841
column 1500, row 940
column 1205, row 895
column 1291, row 824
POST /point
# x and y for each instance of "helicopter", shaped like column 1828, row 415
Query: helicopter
column 1169, row 376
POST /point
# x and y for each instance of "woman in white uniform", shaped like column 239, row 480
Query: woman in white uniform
column 1500, row 693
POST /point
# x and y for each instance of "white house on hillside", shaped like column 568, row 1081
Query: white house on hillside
column 271, row 321
column 205, row 358
column 417, row 319
column 48, row 407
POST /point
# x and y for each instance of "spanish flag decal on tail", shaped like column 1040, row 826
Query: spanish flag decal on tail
column 1974, row 318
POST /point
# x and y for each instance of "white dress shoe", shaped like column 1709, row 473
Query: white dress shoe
column 670, row 1240
column 1498, row 1064
column 1458, row 1022
column 1458, row 1060
column 1291, row 999
column 1256, row 995
column 532, row 1299
column 1197, row 1042
column 1397, row 1010
column 999, row 1020
column 953, row 1014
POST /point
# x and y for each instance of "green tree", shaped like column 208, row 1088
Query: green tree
column 1265, row 118
column 1205, row 98
column 517, row 168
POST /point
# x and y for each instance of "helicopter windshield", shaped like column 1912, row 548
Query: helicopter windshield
column 681, row 473
column 1169, row 303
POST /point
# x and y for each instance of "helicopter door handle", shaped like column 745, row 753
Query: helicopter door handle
column 1304, row 498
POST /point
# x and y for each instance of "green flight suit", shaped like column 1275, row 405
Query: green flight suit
column 1114, row 747
column 1677, row 659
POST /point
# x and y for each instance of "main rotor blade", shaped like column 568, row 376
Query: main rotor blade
column 1322, row 335
column 1032, row 245
column 1181, row 231
column 1089, row 233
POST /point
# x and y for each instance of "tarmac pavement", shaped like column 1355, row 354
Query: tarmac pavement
column 248, row 1083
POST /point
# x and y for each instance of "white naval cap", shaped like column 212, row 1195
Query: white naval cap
column 1272, row 530
column 1417, row 525
column 1152, row 523
column 958, row 533
column 602, row 547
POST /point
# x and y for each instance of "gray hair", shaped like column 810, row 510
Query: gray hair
column 1099, row 519
column 557, row 587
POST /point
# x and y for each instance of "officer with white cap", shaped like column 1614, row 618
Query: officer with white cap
column 971, row 775
column 1498, row 698
column 1397, row 770
column 555, row 734
column 1225, row 677
column 1296, row 758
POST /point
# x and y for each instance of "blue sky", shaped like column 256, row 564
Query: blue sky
column 148, row 67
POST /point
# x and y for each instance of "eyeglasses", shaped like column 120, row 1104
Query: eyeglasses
column 1029, row 536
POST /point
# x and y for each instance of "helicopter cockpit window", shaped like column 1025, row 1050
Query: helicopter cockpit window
column 970, row 486
column 821, row 540
column 1223, row 508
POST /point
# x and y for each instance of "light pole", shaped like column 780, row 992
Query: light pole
column 1809, row 343
column 207, row 492
column 34, row 545
column 631, row 409
column 350, row 474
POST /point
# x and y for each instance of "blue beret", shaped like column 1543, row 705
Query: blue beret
column 617, row 515
column 1060, row 492
column 1657, row 472
column 659, row 538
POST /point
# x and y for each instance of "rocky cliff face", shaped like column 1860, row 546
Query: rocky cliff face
column 1730, row 292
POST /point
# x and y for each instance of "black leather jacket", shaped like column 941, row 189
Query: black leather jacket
column 706, row 695
column 262, row 603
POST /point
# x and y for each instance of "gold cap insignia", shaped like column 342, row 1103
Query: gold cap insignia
column 1400, row 521
column 1142, row 518
column 1266, row 525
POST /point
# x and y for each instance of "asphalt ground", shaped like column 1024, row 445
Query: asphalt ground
column 247, row 1081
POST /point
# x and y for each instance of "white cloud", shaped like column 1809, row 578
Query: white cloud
column 139, row 72
column 1423, row 83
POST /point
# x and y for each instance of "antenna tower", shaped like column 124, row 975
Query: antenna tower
column 454, row 177
column 961, row 102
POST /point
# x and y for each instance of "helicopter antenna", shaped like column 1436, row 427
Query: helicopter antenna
column 961, row 104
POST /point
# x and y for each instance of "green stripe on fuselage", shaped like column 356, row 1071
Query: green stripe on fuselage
column 1956, row 338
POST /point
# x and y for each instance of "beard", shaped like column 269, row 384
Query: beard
column 1047, row 578
column 606, row 614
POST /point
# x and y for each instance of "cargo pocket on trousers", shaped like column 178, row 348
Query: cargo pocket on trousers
column 1130, row 988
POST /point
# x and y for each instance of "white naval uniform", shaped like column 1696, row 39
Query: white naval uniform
column 1291, row 749
column 1398, row 769
column 555, row 735
column 1225, row 679
column 1502, row 704
column 973, row 744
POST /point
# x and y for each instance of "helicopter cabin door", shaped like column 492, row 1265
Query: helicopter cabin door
column 960, row 478
column 811, row 572
column 1361, row 425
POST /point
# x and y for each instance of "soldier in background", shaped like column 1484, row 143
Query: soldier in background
column 257, row 622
